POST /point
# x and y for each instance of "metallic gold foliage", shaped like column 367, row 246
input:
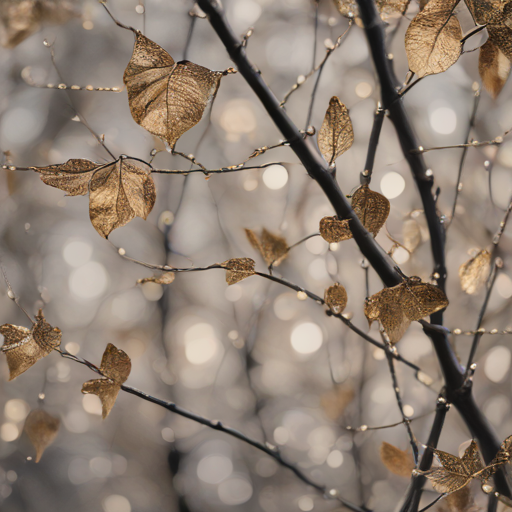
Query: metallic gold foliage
column 115, row 368
column 371, row 207
column 397, row 461
column 118, row 191
column 335, row 401
column 238, row 269
column 454, row 473
column 336, row 134
column 334, row 230
column 494, row 68
column 41, row 429
column 22, row 18
column 273, row 248
column 475, row 271
column 502, row 457
column 433, row 38
column 165, row 278
column 166, row 98
column 24, row 347
column 335, row 298
column 409, row 301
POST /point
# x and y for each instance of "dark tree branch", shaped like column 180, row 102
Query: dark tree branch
column 378, row 120
column 451, row 368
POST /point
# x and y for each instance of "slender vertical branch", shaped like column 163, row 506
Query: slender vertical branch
column 378, row 120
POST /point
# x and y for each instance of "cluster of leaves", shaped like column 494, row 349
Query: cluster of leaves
column 453, row 473
column 434, row 40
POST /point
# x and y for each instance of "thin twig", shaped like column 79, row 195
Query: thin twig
column 378, row 120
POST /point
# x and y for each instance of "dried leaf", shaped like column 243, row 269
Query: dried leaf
column 502, row 457
column 335, row 401
column 371, row 207
column 397, row 461
column 165, row 278
column 22, row 18
column 475, row 271
column 432, row 40
column 167, row 98
column 494, row 68
column 41, row 429
column 118, row 191
column 273, row 248
column 334, row 230
column 459, row 501
column 395, row 308
column 384, row 307
column 24, row 347
column 411, row 233
column 418, row 299
column 336, row 134
column 238, row 269
column 454, row 473
column 335, row 298
column 115, row 367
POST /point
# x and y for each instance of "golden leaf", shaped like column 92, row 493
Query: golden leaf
column 494, row 68
column 22, row 18
column 454, row 473
column 335, row 401
column 335, row 298
column 41, row 429
column 397, row 461
column 273, row 248
column 165, row 278
column 238, row 269
column 371, row 207
column 383, row 306
column 418, row 299
column 334, row 230
column 475, row 271
column 167, row 98
column 458, row 501
column 336, row 134
column 411, row 233
column 23, row 347
column 503, row 456
column 432, row 40
column 118, row 191
column 115, row 367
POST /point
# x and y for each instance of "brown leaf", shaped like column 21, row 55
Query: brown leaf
column 334, row 230
column 418, row 299
column 397, row 461
column 371, row 207
column 41, row 429
column 238, row 269
column 335, row 298
column 503, row 456
column 336, row 134
column 411, row 233
column 384, row 307
column 167, row 98
column 386, row 8
column 22, row 18
column 395, row 308
column 165, row 278
column 273, row 248
column 454, row 473
column 335, row 401
column 24, row 347
column 458, row 501
column 494, row 68
column 115, row 367
column 118, row 191
column 432, row 40
column 475, row 271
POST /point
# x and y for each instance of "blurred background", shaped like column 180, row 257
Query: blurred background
column 252, row 354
